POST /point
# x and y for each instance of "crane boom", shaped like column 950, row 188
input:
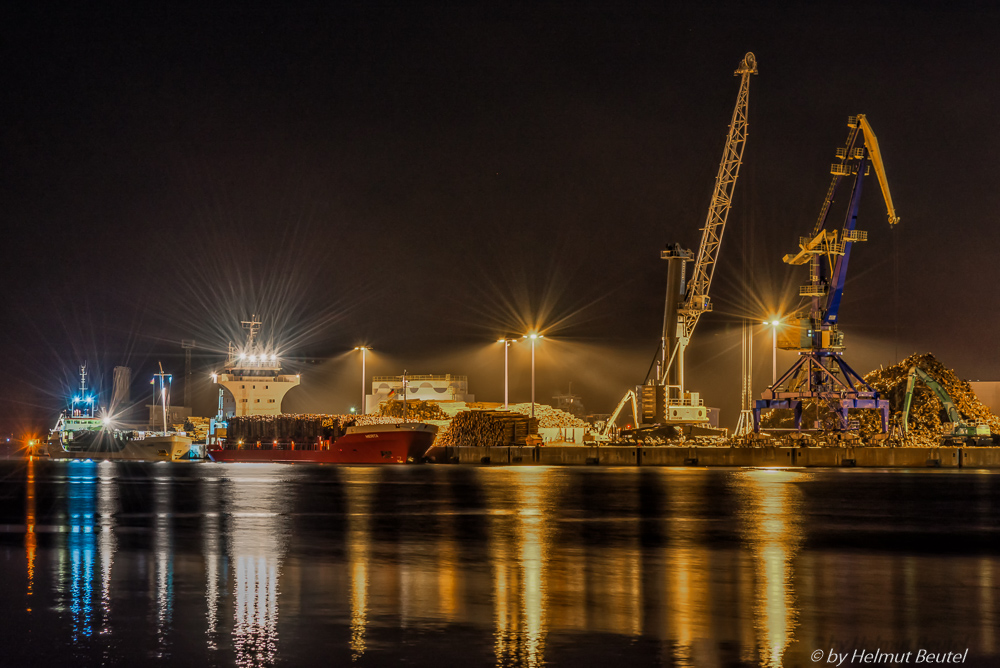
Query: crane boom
column 696, row 299
column 685, row 302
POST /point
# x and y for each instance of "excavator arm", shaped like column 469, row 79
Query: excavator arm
column 610, row 424
column 946, row 401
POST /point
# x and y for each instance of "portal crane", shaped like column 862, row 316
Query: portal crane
column 821, row 375
column 667, row 401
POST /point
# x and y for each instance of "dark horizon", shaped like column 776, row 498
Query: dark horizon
column 426, row 180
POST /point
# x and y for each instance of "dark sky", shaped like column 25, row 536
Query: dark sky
column 426, row 180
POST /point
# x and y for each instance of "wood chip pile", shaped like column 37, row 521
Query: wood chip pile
column 488, row 428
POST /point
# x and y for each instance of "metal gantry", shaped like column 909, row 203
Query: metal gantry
column 820, row 376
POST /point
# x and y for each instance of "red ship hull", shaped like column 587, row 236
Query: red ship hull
column 375, row 444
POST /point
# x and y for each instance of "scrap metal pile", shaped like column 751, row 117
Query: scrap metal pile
column 926, row 414
column 927, row 417
column 488, row 428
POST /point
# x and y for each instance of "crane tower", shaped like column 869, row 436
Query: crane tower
column 686, row 302
column 664, row 400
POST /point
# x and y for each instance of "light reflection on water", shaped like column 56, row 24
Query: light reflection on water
column 770, row 501
column 520, row 566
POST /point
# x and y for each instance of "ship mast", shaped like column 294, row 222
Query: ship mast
column 165, row 379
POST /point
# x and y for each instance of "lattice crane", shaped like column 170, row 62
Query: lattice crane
column 685, row 303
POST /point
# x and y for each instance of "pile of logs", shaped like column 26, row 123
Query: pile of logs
column 416, row 410
column 488, row 428
column 548, row 416
column 302, row 428
column 286, row 427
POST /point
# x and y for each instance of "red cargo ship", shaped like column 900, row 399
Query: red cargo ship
column 403, row 443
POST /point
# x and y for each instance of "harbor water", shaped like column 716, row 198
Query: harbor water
column 206, row 564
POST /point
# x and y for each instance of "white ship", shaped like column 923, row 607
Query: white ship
column 80, row 434
column 252, row 378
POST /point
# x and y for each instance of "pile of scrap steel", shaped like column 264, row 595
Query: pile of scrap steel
column 488, row 428
column 927, row 420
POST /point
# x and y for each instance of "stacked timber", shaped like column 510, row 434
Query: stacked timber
column 285, row 427
column 366, row 420
column 195, row 427
column 489, row 428
column 548, row 416
column 415, row 409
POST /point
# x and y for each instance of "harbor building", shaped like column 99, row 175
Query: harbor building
column 447, row 387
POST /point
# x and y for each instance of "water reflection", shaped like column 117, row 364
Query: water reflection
column 514, row 567
column 30, row 539
column 521, row 503
column 163, row 562
column 359, row 488
column 770, row 513
column 256, row 547
column 687, row 564
column 81, row 545
column 211, row 532
column 107, row 506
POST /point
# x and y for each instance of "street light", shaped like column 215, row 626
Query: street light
column 506, row 347
column 774, row 325
column 533, row 338
column 363, row 349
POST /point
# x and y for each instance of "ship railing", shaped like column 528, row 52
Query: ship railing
column 414, row 377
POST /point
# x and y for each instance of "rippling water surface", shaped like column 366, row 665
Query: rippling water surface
column 257, row 565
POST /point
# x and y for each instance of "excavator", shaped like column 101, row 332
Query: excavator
column 958, row 430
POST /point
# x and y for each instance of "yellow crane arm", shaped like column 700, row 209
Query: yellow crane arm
column 876, row 158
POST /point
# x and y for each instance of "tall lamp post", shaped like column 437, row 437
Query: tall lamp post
column 363, row 349
column 506, row 385
column 533, row 338
column 774, row 325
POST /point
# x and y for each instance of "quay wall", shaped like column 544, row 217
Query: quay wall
column 760, row 457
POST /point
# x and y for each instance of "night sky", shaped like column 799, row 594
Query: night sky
column 426, row 180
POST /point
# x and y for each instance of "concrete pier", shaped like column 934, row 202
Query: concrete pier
column 761, row 457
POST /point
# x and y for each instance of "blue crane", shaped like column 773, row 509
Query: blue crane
column 820, row 375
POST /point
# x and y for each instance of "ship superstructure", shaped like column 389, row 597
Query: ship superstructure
column 252, row 378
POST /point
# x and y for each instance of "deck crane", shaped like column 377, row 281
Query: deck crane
column 820, row 375
column 666, row 401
